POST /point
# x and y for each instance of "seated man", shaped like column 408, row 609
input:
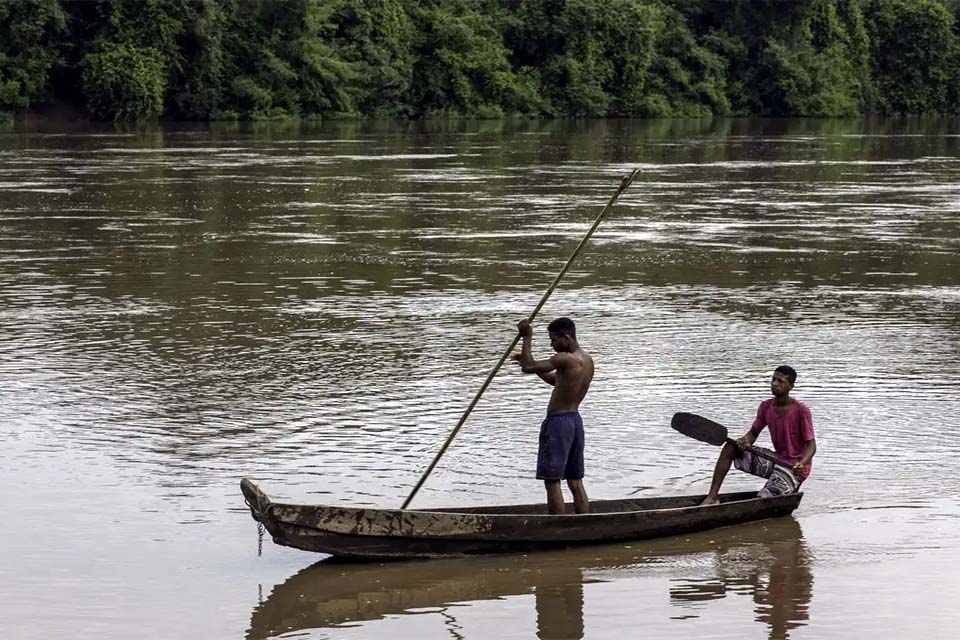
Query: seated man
column 791, row 430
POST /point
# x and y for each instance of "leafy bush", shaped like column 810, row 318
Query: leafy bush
column 124, row 82
column 914, row 54
column 461, row 66
column 29, row 49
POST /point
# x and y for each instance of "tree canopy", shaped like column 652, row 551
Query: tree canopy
column 263, row 59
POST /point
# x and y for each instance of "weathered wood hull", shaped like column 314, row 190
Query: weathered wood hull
column 431, row 533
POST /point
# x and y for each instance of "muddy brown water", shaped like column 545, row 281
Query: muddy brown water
column 315, row 306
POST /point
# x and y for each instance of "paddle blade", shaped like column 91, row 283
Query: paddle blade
column 699, row 428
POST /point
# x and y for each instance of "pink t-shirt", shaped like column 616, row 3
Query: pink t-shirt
column 789, row 432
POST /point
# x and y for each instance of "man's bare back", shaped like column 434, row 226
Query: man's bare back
column 569, row 370
column 573, row 375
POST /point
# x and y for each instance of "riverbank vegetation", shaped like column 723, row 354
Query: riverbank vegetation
column 263, row 59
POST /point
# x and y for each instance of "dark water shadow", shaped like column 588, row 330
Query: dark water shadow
column 767, row 560
column 775, row 572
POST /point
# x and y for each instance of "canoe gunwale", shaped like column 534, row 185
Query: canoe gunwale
column 273, row 507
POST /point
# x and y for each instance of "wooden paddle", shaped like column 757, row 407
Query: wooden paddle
column 706, row 430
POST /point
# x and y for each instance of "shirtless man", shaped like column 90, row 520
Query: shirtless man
column 570, row 372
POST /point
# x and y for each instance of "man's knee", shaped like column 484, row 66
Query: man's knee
column 730, row 451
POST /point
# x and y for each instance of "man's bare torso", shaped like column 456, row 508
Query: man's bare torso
column 573, row 382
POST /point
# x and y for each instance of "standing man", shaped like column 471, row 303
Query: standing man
column 570, row 372
column 791, row 431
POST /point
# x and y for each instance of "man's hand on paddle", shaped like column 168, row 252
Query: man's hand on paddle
column 525, row 329
column 798, row 469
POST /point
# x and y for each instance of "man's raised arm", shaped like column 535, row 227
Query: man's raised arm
column 550, row 378
column 543, row 368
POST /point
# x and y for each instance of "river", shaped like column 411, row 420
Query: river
column 314, row 306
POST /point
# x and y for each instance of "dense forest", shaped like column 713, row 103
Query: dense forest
column 275, row 59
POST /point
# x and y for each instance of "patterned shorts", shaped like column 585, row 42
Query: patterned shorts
column 780, row 478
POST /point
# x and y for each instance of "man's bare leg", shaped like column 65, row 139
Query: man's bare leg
column 581, row 504
column 727, row 455
column 554, row 497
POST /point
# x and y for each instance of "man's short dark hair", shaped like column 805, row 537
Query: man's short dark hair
column 563, row 326
column 790, row 372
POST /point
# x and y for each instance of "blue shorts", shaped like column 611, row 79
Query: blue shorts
column 561, row 447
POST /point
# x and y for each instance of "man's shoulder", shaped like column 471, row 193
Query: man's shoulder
column 802, row 406
column 766, row 404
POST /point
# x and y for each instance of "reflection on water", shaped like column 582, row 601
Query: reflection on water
column 560, row 609
column 314, row 305
column 767, row 562
column 332, row 594
column 776, row 572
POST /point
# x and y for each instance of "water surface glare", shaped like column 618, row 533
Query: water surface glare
column 314, row 307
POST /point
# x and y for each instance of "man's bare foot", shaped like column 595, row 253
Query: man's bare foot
column 709, row 501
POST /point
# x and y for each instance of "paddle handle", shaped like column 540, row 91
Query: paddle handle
column 759, row 452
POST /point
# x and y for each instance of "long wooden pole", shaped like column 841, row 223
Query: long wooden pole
column 624, row 183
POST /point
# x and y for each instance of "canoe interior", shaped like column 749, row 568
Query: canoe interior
column 255, row 495
column 599, row 506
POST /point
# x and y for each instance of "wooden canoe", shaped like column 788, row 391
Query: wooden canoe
column 378, row 534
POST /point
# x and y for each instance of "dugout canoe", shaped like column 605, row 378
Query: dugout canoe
column 382, row 534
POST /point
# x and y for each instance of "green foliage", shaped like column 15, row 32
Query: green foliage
column 163, row 40
column 29, row 49
column 914, row 51
column 197, row 75
column 377, row 38
column 281, row 60
column 462, row 67
column 322, row 73
column 824, row 71
column 577, row 79
column 599, row 58
column 270, row 59
column 124, row 82
column 687, row 79
column 807, row 57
